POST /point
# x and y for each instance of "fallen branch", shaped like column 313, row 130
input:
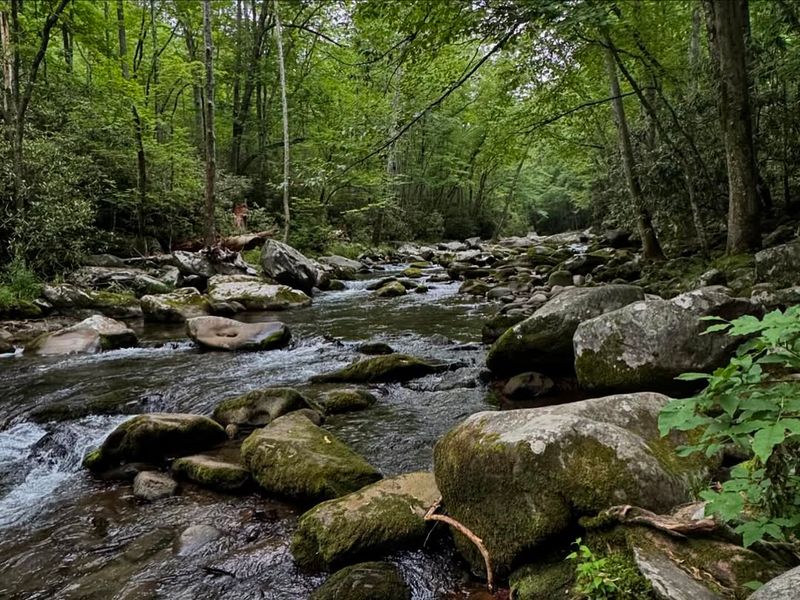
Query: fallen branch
column 431, row 516
column 670, row 524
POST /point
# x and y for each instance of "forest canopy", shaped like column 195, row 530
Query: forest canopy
column 404, row 120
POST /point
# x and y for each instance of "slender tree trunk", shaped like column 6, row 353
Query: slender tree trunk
column 650, row 246
column 211, row 161
column 285, row 116
column 728, row 24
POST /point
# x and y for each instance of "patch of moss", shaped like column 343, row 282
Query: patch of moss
column 364, row 581
column 340, row 401
column 211, row 473
column 259, row 407
column 390, row 367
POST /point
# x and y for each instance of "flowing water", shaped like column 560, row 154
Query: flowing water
column 64, row 534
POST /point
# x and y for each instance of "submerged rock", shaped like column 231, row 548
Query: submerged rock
column 391, row 290
column 212, row 473
column 154, row 437
column 364, row 581
column 288, row 266
column 375, row 348
column 347, row 400
column 254, row 293
column 379, row 518
column 194, row 538
column 152, row 486
column 391, row 367
column 175, row 307
column 294, row 458
column 220, row 333
column 259, row 407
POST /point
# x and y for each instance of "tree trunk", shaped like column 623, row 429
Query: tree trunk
column 285, row 116
column 211, row 161
column 728, row 23
column 650, row 247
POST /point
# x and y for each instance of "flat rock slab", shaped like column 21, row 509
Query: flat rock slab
column 212, row 473
column 220, row 333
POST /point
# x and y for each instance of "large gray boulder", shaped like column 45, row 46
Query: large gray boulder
column 254, row 293
column 288, row 266
column 518, row 478
column 646, row 345
column 341, row 267
column 782, row 587
column 220, row 333
column 175, row 307
column 294, row 458
column 543, row 341
column 90, row 336
column 779, row 265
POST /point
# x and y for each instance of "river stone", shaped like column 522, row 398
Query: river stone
column 779, row 265
column 375, row 348
column 342, row 268
column 152, row 485
column 376, row 519
column 220, row 333
column 193, row 538
column 193, row 263
column 347, row 400
column 296, row 459
column 136, row 280
column 212, row 473
column 376, row 285
column 259, row 407
column 474, row 287
column 498, row 325
column 254, row 293
column 66, row 296
column 117, row 305
column 87, row 337
column 543, row 341
column 175, row 307
column 286, row 265
column 782, row 587
column 517, row 478
column 647, row 344
column 391, row 290
column 391, row 367
column 527, row 385
column 154, row 437
column 364, row 581
column 559, row 278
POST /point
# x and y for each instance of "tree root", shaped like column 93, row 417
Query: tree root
column 673, row 525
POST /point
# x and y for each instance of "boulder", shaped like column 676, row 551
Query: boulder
column 259, row 407
column 175, row 307
column 562, row 278
column 527, row 385
column 412, row 273
column 220, row 333
column 379, row 518
column 347, row 400
column 391, row 290
column 778, row 265
column 518, row 478
column 103, row 260
column 474, row 287
column 375, row 348
column 498, row 325
column 117, row 305
column 782, row 587
column 341, row 267
column 87, row 337
column 364, row 581
column 390, row 367
column 152, row 485
column 286, row 265
column 543, row 342
column 294, row 458
column 154, row 437
column 193, row 263
column 66, row 296
column 212, row 473
column 136, row 280
column 647, row 344
column 254, row 294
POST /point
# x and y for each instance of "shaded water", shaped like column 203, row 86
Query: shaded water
column 66, row 535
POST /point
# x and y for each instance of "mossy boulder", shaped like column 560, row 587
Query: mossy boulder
column 778, row 265
column 341, row 267
column 212, row 473
column 153, row 438
column 390, row 367
column 137, row 281
column 87, row 337
column 259, row 407
column 364, row 581
column 560, row 277
column 474, row 287
column 295, row 459
column 498, row 325
column 175, row 307
column 542, row 581
column 392, row 289
column 379, row 518
column 782, row 587
column 345, row 400
column 412, row 273
column 117, row 305
column 519, row 478
column 220, row 333
column 254, row 293
column 543, row 341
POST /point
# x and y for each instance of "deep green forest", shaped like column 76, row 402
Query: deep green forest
column 420, row 120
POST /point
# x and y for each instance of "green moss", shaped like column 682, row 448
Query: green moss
column 106, row 299
column 259, row 407
column 211, row 473
column 364, row 581
column 340, row 401
column 412, row 273
column 542, row 581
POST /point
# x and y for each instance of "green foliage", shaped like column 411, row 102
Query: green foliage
column 753, row 403
column 18, row 285
column 610, row 577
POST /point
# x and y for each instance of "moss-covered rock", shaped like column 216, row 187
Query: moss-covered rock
column 346, row 400
column 364, row 581
column 517, row 478
column 254, row 293
column 117, row 305
column 155, row 437
column 391, row 290
column 474, row 287
column 543, row 341
column 379, row 518
column 412, row 273
column 561, row 277
column 498, row 325
column 212, row 473
column 542, row 581
column 87, row 337
column 220, row 333
column 175, row 307
column 778, row 265
column 296, row 459
column 391, row 367
column 259, row 407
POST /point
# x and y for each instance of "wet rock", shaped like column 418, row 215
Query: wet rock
column 6, row 346
column 103, row 260
column 296, row 459
column 346, row 400
column 562, row 278
column 175, row 307
column 154, row 437
column 211, row 473
column 518, row 478
column 66, row 296
column 225, row 309
column 286, row 265
column 335, row 285
column 193, row 263
column 316, row 417
column 391, row 290
column 392, row 367
column 474, row 287
column 527, row 385
column 542, row 581
column 379, row 518
column 152, row 486
column 259, row 407
column 412, row 273
column 255, row 294
column 194, row 538
column 110, row 403
column 583, row 264
column 778, row 265
column 498, row 325
column 711, row 277
column 543, row 342
column 380, row 283
column 117, row 305
column 136, row 280
column 341, row 267
column 87, row 337
column 219, row 333
column 375, row 348
column 782, row 587
column 364, row 581
column 499, row 292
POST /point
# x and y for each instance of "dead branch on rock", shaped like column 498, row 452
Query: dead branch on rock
column 478, row 542
column 670, row 524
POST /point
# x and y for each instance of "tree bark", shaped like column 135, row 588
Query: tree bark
column 285, row 116
column 211, row 161
column 651, row 249
column 728, row 24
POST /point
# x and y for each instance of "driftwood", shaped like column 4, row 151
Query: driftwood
column 237, row 243
column 679, row 524
column 432, row 516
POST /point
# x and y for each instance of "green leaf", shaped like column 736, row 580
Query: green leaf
column 766, row 439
